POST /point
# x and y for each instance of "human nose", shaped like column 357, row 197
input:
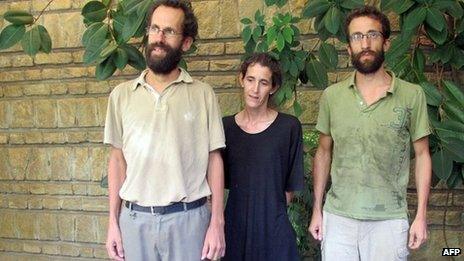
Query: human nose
column 365, row 42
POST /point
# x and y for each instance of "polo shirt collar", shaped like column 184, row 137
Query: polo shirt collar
column 393, row 86
column 184, row 76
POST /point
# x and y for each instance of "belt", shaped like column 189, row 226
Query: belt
column 175, row 207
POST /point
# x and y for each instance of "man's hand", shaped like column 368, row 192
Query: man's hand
column 315, row 227
column 114, row 243
column 417, row 233
column 215, row 243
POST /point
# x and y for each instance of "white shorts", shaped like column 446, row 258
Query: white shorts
column 366, row 240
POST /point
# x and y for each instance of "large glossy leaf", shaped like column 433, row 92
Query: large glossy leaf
column 452, row 7
column 457, row 60
column 387, row 5
column 92, row 52
column 271, row 35
column 332, row 19
column 435, row 19
column 31, row 41
column 432, row 94
column 351, row 4
column 315, row 8
column 257, row 33
column 454, row 93
column 455, row 178
column 95, row 34
column 453, row 111
column 118, row 25
column 94, row 11
column 280, row 42
column 399, row 46
column 450, row 128
column 414, row 18
column 455, row 147
column 317, row 74
column 328, row 55
column 287, row 32
column 297, row 108
column 108, row 50
column 45, row 40
column 11, row 35
column 322, row 32
column 131, row 26
column 246, row 34
column 120, row 58
column 402, row 6
column 18, row 17
column 105, row 69
column 442, row 164
column 419, row 59
column 438, row 37
column 136, row 58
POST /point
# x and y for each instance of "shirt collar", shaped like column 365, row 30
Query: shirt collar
column 184, row 76
column 351, row 81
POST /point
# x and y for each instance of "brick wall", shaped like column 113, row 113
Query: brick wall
column 52, row 114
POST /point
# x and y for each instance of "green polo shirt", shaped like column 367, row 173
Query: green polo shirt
column 371, row 147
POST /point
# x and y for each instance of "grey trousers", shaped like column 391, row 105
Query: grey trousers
column 170, row 237
column 350, row 239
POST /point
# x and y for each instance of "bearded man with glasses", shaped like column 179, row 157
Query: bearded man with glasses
column 366, row 126
column 165, row 131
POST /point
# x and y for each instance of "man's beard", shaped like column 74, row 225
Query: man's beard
column 166, row 64
column 369, row 66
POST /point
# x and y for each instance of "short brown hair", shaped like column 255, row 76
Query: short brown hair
column 371, row 12
column 266, row 60
column 190, row 25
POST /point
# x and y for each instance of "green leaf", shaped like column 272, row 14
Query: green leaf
column 317, row 74
column 297, row 108
column 453, row 111
column 454, row 179
column 352, row 4
column 11, row 35
column 419, row 60
column 294, row 69
column 328, row 55
column 280, row 43
column 257, row 33
column 92, row 52
column 387, row 5
column 449, row 128
column 453, row 8
column 442, row 164
column 105, row 69
column 31, row 41
column 271, row 35
column 18, row 17
column 288, row 34
column 246, row 34
column 438, row 37
column 455, row 147
column 414, row 18
column 120, row 58
column 399, row 46
column 96, row 33
column 270, row 2
column 131, row 26
column 262, row 47
column 246, row 21
column 108, row 50
column 454, row 93
column 136, row 58
column 315, row 8
column 402, row 6
column 432, row 94
column 332, row 20
column 45, row 40
column 435, row 19
column 131, row 7
column 143, row 7
column 94, row 11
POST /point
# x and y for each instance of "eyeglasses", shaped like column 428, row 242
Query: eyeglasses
column 371, row 35
column 167, row 32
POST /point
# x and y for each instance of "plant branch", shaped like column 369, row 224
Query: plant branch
column 41, row 12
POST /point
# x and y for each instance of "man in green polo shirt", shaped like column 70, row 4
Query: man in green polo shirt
column 366, row 126
column 165, row 131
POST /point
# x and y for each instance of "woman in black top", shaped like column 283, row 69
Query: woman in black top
column 263, row 163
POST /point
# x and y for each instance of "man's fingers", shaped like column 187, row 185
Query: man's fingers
column 120, row 249
column 204, row 252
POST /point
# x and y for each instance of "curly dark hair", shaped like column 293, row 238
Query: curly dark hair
column 371, row 12
column 266, row 60
column 190, row 26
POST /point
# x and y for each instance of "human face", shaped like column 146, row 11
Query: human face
column 164, row 51
column 257, row 86
column 367, row 55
